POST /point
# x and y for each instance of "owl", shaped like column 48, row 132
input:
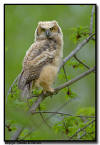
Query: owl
column 43, row 58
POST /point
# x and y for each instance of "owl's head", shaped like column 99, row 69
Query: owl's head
column 47, row 30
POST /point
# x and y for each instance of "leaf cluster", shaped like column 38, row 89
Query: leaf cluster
column 79, row 33
column 70, row 125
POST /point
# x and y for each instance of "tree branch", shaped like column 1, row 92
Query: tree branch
column 91, row 20
column 79, row 130
column 85, row 65
column 76, row 49
column 82, row 135
column 65, row 77
column 55, row 112
column 17, row 133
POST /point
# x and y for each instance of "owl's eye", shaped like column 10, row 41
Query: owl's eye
column 42, row 30
column 52, row 29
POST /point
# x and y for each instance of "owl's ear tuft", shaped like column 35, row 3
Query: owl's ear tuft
column 55, row 22
column 39, row 23
column 36, row 32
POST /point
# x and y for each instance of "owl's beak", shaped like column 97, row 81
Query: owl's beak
column 48, row 33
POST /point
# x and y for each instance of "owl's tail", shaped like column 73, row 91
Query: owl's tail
column 25, row 92
column 21, row 81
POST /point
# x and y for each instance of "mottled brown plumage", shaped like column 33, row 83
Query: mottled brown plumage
column 42, row 60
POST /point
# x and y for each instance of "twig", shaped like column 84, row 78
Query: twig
column 10, row 89
column 85, row 65
column 81, row 62
column 55, row 112
column 65, row 77
column 33, row 96
column 93, row 38
column 17, row 133
column 91, row 21
column 85, row 134
column 82, row 135
column 43, row 117
column 79, row 130
column 65, row 73
column 76, row 49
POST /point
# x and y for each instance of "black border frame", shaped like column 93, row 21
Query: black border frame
column 96, row 89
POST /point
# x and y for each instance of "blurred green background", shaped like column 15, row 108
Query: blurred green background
column 20, row 24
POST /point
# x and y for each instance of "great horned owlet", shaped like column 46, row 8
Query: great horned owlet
column 43, row 58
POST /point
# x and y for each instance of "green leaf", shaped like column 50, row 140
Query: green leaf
column 79, row 33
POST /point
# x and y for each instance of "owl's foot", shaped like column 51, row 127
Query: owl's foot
column 50, row 91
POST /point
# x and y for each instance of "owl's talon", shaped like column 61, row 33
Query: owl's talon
column 50, row 91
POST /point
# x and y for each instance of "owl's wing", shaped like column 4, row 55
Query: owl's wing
column 34, row 61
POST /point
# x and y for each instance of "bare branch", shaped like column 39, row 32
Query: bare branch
column 76, row 49
column 91, row 21
column 81, row 62
column 93, row 38
column 75, row 79
column 17, row 133
column 62, row 113
column 85, row 65
column 65, row 77
column 82, row 135
column 79, row 130
column 65, row 73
